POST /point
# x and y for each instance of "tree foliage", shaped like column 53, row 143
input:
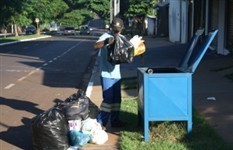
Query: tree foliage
column 24, row 12
column 137, row 8
column 75, row 4
column 75, row 18
column 66, row 12
column 10, row 11
column 137, row 12
column 99, row 7
column 45, row 10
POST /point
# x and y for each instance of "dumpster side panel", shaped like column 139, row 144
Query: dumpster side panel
column 167, row 98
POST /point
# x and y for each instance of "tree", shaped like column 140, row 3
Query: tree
column 45, row 10
column 75, row 18
column 100, row 8
column 24, row 12
column 76, row 4
column 11, row 13
column 137, row 8
column 151, row 9
column 81, row 11
column 76, row 15
column 137, row 11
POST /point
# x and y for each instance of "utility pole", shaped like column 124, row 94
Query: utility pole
column 114, row 9
column 111, row 10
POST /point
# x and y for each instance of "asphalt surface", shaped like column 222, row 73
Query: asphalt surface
column 34, row 76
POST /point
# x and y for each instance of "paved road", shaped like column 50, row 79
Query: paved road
column 33, row 77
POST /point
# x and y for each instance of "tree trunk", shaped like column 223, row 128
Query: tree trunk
column 16, row 30
column 5, row 33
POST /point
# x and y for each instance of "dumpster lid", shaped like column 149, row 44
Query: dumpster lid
column 194, row 54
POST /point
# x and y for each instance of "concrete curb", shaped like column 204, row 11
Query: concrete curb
column 25, row 40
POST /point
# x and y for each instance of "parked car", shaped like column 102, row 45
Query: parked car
column 84, row 30
column 96, row 23
column 69, row 31
column 53, row 27
column 92, row 30
column 97, row 32
column 97, row 27
column 30, row 30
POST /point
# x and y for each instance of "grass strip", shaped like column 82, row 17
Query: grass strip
column 167, row 135
column 18, row 38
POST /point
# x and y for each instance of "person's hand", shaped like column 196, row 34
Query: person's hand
column 99, row 45
column 109, row 41
column 105, row 42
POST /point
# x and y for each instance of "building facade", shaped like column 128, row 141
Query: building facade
column 186, row 16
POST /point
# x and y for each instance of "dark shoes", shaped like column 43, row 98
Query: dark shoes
column 103, row 127
column 118, row 124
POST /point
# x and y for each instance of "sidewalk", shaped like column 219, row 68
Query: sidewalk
column 206, row 83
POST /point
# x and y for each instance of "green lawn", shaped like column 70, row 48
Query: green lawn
column 167, row 135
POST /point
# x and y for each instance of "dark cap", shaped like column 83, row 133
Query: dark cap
column 117, row 24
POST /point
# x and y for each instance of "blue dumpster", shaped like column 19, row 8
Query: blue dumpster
column 165, row 94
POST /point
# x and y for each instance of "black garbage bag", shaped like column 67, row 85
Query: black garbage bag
column 50, row 131
column 76, row 107
column 121, row 51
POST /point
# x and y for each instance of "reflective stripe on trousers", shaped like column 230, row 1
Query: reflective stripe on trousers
column 110, row 107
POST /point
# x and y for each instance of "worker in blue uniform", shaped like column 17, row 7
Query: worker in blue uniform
column 110, row 78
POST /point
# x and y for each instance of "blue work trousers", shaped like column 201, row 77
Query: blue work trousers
column 110, row 106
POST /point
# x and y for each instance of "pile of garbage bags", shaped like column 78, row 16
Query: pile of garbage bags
column 67, row 126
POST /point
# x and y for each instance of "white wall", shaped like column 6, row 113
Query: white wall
column 174, row 20
column 184, row 21
column 178, row 21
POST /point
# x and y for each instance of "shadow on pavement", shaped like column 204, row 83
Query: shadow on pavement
column 17, row 135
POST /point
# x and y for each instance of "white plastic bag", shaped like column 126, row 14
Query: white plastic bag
column 94, row 129
column 136, row 40
column 99, row 137
column 139, row 45
column 90, row 125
